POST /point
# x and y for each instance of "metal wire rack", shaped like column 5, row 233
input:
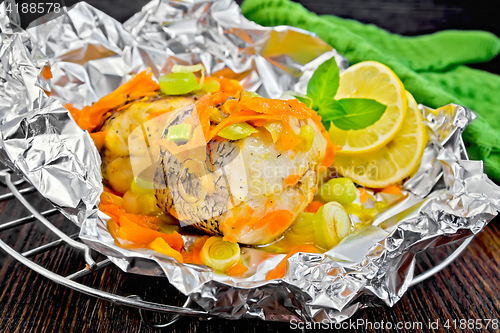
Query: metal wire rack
column 18, row 190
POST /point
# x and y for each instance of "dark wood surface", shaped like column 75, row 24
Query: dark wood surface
column 468, row 289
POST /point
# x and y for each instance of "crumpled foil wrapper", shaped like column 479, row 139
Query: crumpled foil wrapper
column 90, row 54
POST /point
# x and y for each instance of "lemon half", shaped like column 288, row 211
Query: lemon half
column 371, row 79
column 395, row 161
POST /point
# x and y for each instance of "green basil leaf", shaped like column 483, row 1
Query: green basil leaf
column 330, row 109
column 306, row 100
column 359, row 113
column 324, row 83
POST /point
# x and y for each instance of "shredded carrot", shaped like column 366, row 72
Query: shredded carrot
column 288, row 140
column 281, row 221
column 91, row 116
column 46, row 73
column 393, row 189
column 205, row 105
column 259, row 123
column 239, row 117
column 123, row 107
column 229, row 105
column 279, row 271
column 113, row 228
column 107, row 197
column 292, row 180
column 196, row 249
column 280, row 107
column 250, row 210
column 159, row 245
column 237, row 269
column 276, row 220
column 229, row 86
column 143, row 236
column 114, row 211
column 329, row 155
column 75, row 113
column 187, row 257
column 363, row 195
column 313, row 207
column 238, row 222
column 229, row 238
column 145, row 221
column 98, row 138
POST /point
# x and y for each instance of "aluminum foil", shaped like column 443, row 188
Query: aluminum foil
column 90, row 54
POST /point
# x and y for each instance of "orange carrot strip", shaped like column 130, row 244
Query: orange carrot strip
column 363, row 195
column 280, row 107
column 114, row 211
column 237, row 269
column 292, row 180
column 229, row 105
column 288, row 140
column 203, row 108
column 259, row 123
column 281, row 221
column 393, row 189
column 230, row 238
column 237, row 118
column 196, row 249
column 276, row 220
column 279, row 271
column 145, row 221
column 138, row 86
column 98, row 138
column 136, row 234
column 46, row 73
column 159, row 245
column 113, row 228
column 313, row 207
column 240, row 222
column 329, row 156
column 229, row 86
column 107, row 198
column 75, row 113
column 187, row 257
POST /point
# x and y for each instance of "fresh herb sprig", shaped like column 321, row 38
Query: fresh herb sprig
column 345, row 113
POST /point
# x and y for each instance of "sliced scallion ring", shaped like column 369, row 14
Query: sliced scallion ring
column 178, row 83
column 191, row 69
column 274, row 128
column 331, row 225
column 219, row 254
column 302, row 230
column 237, row 131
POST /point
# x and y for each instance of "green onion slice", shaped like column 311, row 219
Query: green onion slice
column 219, row 254
column 275, row 128
column 331, row 225
column 237, row 131
column 341, row 190
column 178, row 83
column 302, row 230
column 191, row 69
column 180, row 133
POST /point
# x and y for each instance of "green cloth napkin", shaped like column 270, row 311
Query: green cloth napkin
column 430, row 66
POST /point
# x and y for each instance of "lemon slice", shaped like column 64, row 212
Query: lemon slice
column 371, row 79
column 393, row 162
